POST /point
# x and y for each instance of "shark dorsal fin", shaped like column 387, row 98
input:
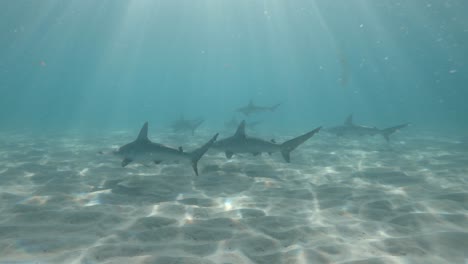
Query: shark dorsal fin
column 240, row 132
column 143, row 135
column 349, row 120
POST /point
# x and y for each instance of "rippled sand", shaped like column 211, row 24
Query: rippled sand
column 339, row 201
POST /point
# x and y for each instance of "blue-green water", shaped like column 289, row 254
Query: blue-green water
column 78, row 79
column 117, row 63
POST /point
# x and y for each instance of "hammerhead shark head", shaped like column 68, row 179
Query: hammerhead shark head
column 350, row 129
column 183, row 124
column 241, row 143
column 143, row 150
column 251, row 108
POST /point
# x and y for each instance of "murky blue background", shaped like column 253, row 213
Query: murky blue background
column 86, row 64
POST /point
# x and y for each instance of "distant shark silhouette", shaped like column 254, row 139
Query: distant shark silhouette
column 241, row 143
column 233, row 123
column 351, row 129
column 143, row 150
column 251, row 108
column 182, row 125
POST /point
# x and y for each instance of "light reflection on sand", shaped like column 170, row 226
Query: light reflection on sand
column 338, row 201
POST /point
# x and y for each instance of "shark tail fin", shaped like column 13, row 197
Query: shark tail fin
column 197, row 154
column 388, row 131
column 273, row 108
column 292, row 144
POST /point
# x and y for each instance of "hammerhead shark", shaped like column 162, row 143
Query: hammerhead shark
column 241, row 143
column 183, row 124
column 251, row 108
column 351, row 129
column 142, row 149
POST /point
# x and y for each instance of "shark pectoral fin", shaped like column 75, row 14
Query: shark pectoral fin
column 256, row 153
column 229, row 154
column 181, row 149
column 126, row 161
column 157, row 162
column 269, row 153
column 273, row 141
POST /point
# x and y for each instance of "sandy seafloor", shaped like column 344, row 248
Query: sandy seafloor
column 339, row 201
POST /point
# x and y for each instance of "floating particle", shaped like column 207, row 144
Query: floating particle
column 42, row 63
column 361, row 26
column 452, row 71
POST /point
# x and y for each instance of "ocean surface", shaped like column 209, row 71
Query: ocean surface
column 79, row 78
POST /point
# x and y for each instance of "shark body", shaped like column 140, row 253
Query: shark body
column 351, row 129
column 251, row 108
column 241, row 143
column 143, row 150
column 183, row 125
